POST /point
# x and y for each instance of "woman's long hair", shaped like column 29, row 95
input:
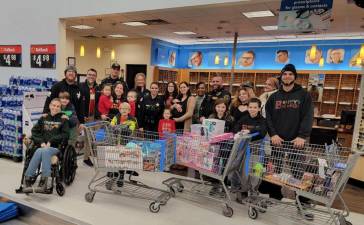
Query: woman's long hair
column 236, row 101
column 188, row 92
column 174, row 93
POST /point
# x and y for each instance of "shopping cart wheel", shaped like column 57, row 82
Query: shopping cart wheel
column 348, row 223
column 60, row 189
column 228, row 211
column 154, row 207
column 172, row 191
column 180, row 188
column 253, row 213
column 89, row 196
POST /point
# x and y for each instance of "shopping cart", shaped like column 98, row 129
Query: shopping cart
column 119, row 152
column 213, row 158
column 315, row 175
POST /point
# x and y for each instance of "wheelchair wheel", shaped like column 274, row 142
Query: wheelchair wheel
column 69, row 165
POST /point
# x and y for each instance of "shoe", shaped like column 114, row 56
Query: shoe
column 28, row 181
column 240, row 196
column 306, row 215
column 43, row 184
column 88, row 162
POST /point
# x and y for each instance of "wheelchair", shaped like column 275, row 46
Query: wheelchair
column 63, row 169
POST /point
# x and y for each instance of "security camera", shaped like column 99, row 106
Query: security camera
column 359, row 3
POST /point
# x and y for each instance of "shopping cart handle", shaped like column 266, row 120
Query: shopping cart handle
column 89, row 124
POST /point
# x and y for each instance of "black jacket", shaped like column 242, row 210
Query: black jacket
column 255, row 125
column 85, row 100
column 212, row 96
column 51, row 129
column 290, row 114
column 109, row 80
column 149, row 112
column 204, row 109
column 75, row 96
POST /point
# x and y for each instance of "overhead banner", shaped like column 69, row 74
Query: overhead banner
column 10, row 55
column 305, row 15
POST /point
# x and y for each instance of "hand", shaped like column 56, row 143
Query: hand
column 43, row 145
column 44, row 115
column 202, row 119
column 276, row 140
column 245, row 132
column 178, row 107
column 86, row 119
column 141, row 129
column 299, row 142
column 65, row 117
column 104, row 117
column 111, row 99
column 81, row 127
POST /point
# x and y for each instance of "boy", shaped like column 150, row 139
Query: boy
column 166, row 124
column 124, row 117
column 69, row 113
column 132, row 97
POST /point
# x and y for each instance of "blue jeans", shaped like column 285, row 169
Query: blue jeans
column 41, row 156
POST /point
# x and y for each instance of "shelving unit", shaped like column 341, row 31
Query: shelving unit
column 340, row 88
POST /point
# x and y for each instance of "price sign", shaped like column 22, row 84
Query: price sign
column 43, row 56
column 10, row 55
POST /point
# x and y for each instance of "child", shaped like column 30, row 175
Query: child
column 166, row 124
column 124, row 117
column 69, row 113
column 221, row 113
column 132, row 97
column 105, row 102
column 253, row 121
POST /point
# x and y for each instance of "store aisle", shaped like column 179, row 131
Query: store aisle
column 111, row 209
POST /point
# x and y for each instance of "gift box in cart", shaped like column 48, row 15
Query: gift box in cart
column 119, row 152
column 317, row 174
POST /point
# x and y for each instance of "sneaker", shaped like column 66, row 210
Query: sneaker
column 88, row 162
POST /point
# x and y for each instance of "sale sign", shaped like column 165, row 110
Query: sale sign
column 10, row 55
column 43, row 56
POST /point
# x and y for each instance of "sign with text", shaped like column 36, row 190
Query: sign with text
column 10, row 55
column 305, row 15
column 43, row 56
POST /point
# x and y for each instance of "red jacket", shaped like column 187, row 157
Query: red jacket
column 104, row 105
column 132, row 108
column 166, row 126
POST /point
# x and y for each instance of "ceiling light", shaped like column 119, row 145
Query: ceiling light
column 184, row 32
column 98, row 52
column 270, row 27
column 117, row 36
column 82, row 50
column 82, row 27
column 112, row 54
column 255, row 14
column 135, row 24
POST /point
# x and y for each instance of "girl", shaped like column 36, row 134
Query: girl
column 183, row 107
column 166, row 124
column 170, row 94
column 150, row 109
column 105, row 102
column 221, row 113
column 239, row 105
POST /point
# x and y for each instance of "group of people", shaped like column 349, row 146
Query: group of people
column 284, row 110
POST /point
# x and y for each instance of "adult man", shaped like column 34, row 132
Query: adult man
column 336, row 56
column 68, row 84
column 114, row 77
column 217, row 92
column 247, row 59
column 289, row 116
column 282, row 56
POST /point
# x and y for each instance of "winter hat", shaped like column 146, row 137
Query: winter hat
column 289, row 67
column 70, row 68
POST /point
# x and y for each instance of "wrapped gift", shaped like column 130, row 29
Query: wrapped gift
column 214, row 127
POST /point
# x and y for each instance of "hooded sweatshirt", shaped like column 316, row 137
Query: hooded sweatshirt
column 290, row 114
column 253, row 124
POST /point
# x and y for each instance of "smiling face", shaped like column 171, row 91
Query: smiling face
column 167, row 114
column 119, row 90
column 288, row 78
column 243, row 96
column 220, row 109
column 70, row 76
column 55, row 107
column 216, row 82
column 247, row 59
column 183, row 89
column 106, row 91
column 124, row 109
column 154, row 89
column 253, row 109
column 91, row 76
column 201, row 90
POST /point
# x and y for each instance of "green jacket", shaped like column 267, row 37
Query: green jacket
column 51, row 129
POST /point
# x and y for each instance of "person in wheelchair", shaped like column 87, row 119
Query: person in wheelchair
column 50, row 132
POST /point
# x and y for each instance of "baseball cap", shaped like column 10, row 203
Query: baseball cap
column 247, row 84
column 115, row 66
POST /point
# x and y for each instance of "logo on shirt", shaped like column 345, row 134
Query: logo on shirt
column 287, row 104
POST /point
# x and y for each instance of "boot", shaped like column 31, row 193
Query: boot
column 43, row 184
column 28, row 181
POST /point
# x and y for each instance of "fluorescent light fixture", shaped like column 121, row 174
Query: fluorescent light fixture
column 270, row 27
column 117, row 36
column 184, row 32
column 82, row 50
column 135, row 24
column 98, row 52
column 286, row 36
column 82, row 27
column 255, row 14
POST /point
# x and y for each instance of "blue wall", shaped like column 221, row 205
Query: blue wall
column 265, row 54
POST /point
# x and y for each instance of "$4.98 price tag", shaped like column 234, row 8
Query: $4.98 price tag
column 43, row 56
column 10, row 55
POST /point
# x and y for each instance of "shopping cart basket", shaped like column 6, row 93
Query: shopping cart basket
column 118, row 151
column 212, row 158
column 316, row 174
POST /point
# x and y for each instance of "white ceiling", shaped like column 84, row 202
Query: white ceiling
column 348, row 21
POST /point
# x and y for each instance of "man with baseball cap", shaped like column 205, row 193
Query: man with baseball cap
column 114, row 77
column 68, row 84
column 289, row 116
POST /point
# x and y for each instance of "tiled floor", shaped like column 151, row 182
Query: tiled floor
column 111, row 209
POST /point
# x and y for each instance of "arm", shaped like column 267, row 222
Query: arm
column 173, row 126
column 160, row 131
column 306, row 118
column 62, row 136
column 261, row 129
column 73, row 118
column 140, row 113
column 269, row 111
column 190, row 108
column 37, row 132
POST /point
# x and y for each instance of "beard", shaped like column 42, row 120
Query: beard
column 285, row 83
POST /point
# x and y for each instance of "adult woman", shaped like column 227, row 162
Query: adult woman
column 271, row 86
column 202, row 103
column 170, row 94
column 239, row 105
column 182, row 109
column 118, row 97
column 151, row 109
column 140, row 86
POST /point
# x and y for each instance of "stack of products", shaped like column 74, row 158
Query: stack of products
column 8, row 210
column 11, row 101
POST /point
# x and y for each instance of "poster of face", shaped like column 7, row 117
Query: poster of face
column 353, row 60
column 172, row 58
column 246, row 59
column 315, row 60
column 335, row 56
column 195, row 59
column 282, row 56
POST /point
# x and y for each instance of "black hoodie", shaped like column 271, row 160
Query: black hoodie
column 290, row 114
column 253, row 124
